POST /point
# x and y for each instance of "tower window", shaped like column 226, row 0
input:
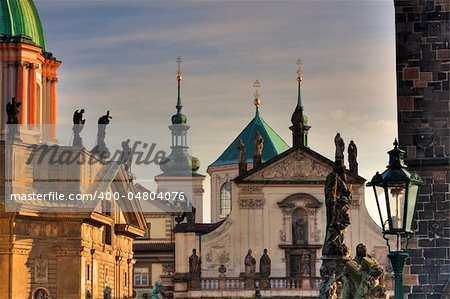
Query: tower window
column 225, row 200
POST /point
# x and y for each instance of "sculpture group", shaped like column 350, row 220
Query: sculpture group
column 342, row 277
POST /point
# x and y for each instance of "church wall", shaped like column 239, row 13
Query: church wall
column 259, row 227
column 219, row 176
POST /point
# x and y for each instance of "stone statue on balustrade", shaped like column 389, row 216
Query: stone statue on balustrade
column 78, row 125
column 250, row 264
column 194, row 265
column 264, row 265
column 363, row 277
column 100, row 149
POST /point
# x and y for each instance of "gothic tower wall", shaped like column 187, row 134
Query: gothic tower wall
column 423, row 63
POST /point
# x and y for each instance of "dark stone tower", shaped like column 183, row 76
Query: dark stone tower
column 423, row 63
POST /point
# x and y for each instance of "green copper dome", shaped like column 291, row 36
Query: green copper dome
column 179, row 119
column 273, row 143
column 20, row 18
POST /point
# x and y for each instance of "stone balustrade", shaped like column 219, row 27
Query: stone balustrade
column 274, row 283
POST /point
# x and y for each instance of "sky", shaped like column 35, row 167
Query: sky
column 120, row 56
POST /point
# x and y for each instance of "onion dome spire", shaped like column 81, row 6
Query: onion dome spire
column 179, row 118
column 299, row 121
column 179, row 162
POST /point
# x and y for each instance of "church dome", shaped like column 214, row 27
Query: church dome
column 19, row 18
column 179, row 119
column 273, row 143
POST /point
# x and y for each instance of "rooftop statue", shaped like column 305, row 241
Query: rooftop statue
column 241, row 150
column 352, row 155
column 257, row 152
column 78, row 125
column 259, row 144
column 126, row 157
column 340, row 147
column 101, row 148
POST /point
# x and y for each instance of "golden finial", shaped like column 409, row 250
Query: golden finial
column 299, row 70
column 256, row 94
column 179, row 61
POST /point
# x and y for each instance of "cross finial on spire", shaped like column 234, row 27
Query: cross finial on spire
column 179, row 61
column 299, row 70
column 179, row 106
column 256, row 94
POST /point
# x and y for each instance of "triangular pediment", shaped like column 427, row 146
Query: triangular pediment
column 128, row 212
column 296, row 165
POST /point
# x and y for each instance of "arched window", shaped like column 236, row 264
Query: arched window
column 41, row 294
column 225, row 200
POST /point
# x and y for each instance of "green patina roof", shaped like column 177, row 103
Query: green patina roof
column 20, row 18
column 273, row 144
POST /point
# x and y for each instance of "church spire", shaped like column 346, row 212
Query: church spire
column 256, row 95
column 299, row 80
column 179, row 106
column 299, row 121
column 179, row 118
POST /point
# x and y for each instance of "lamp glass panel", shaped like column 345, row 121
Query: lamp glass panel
column 396, row 194
column 381, row 205
column 412, row 198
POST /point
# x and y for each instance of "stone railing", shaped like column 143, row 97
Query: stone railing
column 308, row 283
column 274, row 283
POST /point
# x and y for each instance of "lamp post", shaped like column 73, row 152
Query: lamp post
column 396, row 192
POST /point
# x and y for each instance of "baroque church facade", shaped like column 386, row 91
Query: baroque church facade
column 267, row 199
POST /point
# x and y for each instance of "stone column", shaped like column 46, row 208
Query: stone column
column 131, row 263
column 22, row 92
column 53, row 83
column 118, row 279
column 184, row 243
column 32, row 94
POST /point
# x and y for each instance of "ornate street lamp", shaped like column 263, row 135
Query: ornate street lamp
column 396, row 192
